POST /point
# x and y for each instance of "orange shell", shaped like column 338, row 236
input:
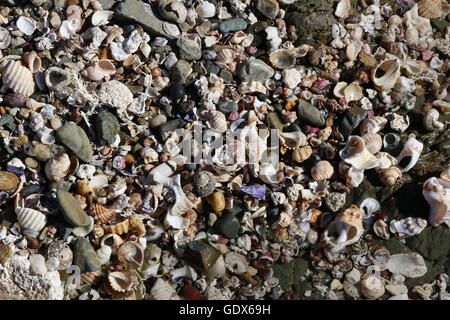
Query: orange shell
column 119, row 228
column 101, row 214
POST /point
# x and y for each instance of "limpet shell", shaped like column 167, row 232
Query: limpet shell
column 18, row 78
column 282, row 59
column 204, row 183
column 131, row 255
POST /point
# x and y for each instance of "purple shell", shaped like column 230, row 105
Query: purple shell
column 126, row 173
column 258, row 192
column 16, row 170
column 3, row 195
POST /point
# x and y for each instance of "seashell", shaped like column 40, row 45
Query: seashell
column 119, row 228
column 57, row 168
column 282, row 59
column 32, row 61
column 238, row 37
column 445, row 174
column 116, row 189
column 131, row 255
column 26, row 25
column 338, row 90
column 31, row 219
column 437, row 193
column 369, row 206
column 99, row 70
column 373, row 142
column 344, row 230
column 149, row 154
column 353, row 49
column 292, row 140
column 343, row 9
column 217, row 120
column 100, row 213
column 69, row 28
column 390, row 175
column 92, row 277
column 101, row 17
column 18, row 78
column 431, row 122
column 226, row 56
column 372, row 125
column 121, row 283
column 162, row 290
column 353, row 92
column 410, row 265
column 116, row 94
column 206, row 10
column 62, row 253
column 408, row 226
column 251, row 87
column 36, row 121
column 104, row 254
column 291, row 77
column 236, row 262
column 137, row 225
column 5, row 38
column 381, row 229
column 430, row 9
column 268, row 173
column 112, row 240
column 56, row 78
column 322, row 170
column 181, row 206
column 391, row 141
column 273, row 37
column 171, row 29
column 160, row 82
column 356, row 154
column 386, row 74
column 412, row 148
column 372, row 287
column 152, row 254
column 37, row 264
column 301, row 154
column 397, row 122
column 204, row 183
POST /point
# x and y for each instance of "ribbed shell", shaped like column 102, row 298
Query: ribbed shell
column 18, row 78
column 162, row 290
column 430, row 8
column 62, row 252
column 373, row 125
column 322, row 170
column 91, row 277
column 101, row 214
column 31, row 219
column 218, row 120
column 204, row 183
column 122, row 281
column 119, row 228
column 282, row 59
column 373, row 142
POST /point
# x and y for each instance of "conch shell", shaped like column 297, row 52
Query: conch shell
column 346, row 229
column 99, row 70
column 437, row 193
column 412, row 148
column 18, row 78
column 356, row 154
column 386, row 74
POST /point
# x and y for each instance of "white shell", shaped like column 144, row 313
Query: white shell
column 104, row 253
column 437, row 193
column 101, row 17
column 37, row 263
column 353, row 92
column 372, row 287
column 353, row 49
column 369, row 206
column 31, row 219
column 343, row 9
column 408, row 227
column 359, row 159
column 18, row 78
column 410, row 265
column 292, row 140
column 52, row 264
column 26, row 25
column 206, row 10
column 291, row 77
column 412, row 148
column 162, row 290
column 5, row 38
column 269, row 174
column 116, row 93
column 391, row 68
column 57, row 168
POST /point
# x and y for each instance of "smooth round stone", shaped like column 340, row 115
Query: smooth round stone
column 74, row 138
column 232, row 25
column 277, row 107
column 8, row 180
column 180, row 71
column 211, row 67
column 228, row 225
column 268, row 8
column 107, row 127
column 254, row 69
column 201, row 254
column 188, row 49
column 84, row 256
column 275, row 121
column 157, row 121
column 172, row 125
column 227, row 76
column 351, row 120
column 228, row 107
column 14, row 46
column 310, row 114
column 177, row 91
column 71, row 209
column 217, row 201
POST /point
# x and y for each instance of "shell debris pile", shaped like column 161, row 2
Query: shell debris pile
column 203, row 149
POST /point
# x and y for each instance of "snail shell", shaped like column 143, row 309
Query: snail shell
column 119, row 228
column 373, row 142
column 204, row 183
column 31, row 219
column 18, row 78
column 408, row 227
column 32, row 61
column 437, row 193
column 390, row 175
column 217, row 120
column 62, row 252
column 430, row 121
column 57, row 168
column 131, row 255
column 104, row 254
column 386, row 74
column 160, row 82
column 152, row 254
column 101, row 214
column 322, row 170
column 112, row 240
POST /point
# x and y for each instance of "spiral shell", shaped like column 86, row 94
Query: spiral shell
column 386, row 74
column 57, row 168
column 390, row 175
column 162, row 290
column 62, row 252
column 204, row 183
column 373, row 142
column 372, row 125
column 131, row 255
column 18, row 78
column 282, row 59
column 31, row 219
column 356, row 154
column 33, row 61
column 430, row 9
column 430, row 121
column 372, row 287
column 217, row 120
column 160, row 82
column 119, row 228
column 101, row 214
column 322, row 170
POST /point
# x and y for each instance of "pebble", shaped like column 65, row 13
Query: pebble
column 268, row 8
column 107, row 127
column 188, row 49
column 157, row 121
column 71, row 209
column 217, row 201
column 228, row 225
column 74, row 138
column 232, row 25
column 6, row 253
column 254, row 69
column 84, row 256
column 172, row 125
column 351, row 120
column 310, row 114
column 202, row 255
column 228, row 107
column 8, row 181
column 180, row 71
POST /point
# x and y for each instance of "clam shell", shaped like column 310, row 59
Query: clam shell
column 353, row 49
column 101, row 214
column 293, row 140
column 122, row 281
column 131, row 255
column 226, row 56
column 410, row 265
column 204, row 183
column 119, row 228
column 353, row 92
column 5, row 38
column 373, row 142
column 381, row 229
column 282, row 59
column 430, row 9
column 91, row 278
column 18, row 78
column 31, row 219
column 322, row 170
column 26, row 25
column 385, row 74
column 171, row 29
column 338, row 90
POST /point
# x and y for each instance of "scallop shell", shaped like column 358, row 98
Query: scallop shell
column 131, row 255
column 226, row 56
column 98, row 70
column 18, row 78
column 116, row 94
column 31, row 219
column 32, row 61
column 412, row 148
column 5, row 38
column 356, row 154
column 408, row 227
column 101, row 214
column 372, row 125
column 122, row 282
column 373, row 142
column 162, row 290
column 217, row 120
column 430, row 9
column 437, row 193
column 346, row 229
column 62, row 252
column 282, row 59
column 322, row 170
column 372, row 287
column 204, row 183
column 386, row 74
column 381, row 229
column 390, row 176
column 57, row 168
column 119, row 228
column 292, row 140
column 56, row 78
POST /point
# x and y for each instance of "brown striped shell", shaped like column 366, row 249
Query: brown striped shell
column 119, row 228
column 217, row 120
column 131, row 255
column 18, row 78
column 101, row 214
column 91, row 277
column 430, row 9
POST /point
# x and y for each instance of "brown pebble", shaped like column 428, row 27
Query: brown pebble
column 8, row 181
column 191, row 293
column 6, row 253
column 217, row 201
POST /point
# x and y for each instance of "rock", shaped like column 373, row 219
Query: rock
column 74, row 138
column 107, row 127
column 432, row 243
column 157, row 121
column 188, row 49
column 177, row 91
column 8, row 181
column 268, row 8
column 6, row 253
column 71, row 209
column 181, row 71
column 165, row 11
column 201, row 255
column 353, row 276
column 228, row 107
column 254, row 69
column 217, row 201
column 19, row 282
column 191, row 293
column 15, row 46
column 351, row 120
column 139, row 12
column 431, row 162
column 232, row 25
column 396, row 289
column 107, row 4
column 227, row 76
column 172, row 125
column 310, row 114
column 38, row 150
column 85, row 256
column 228, row 225
column 275, row 121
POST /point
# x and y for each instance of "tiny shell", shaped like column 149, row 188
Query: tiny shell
column 301, row 154
column 372, row 125
column 381, row 229
column 116, row 94
column 390, row 175
column 292, row 140
column 32, row 61
column 226, row 56
column 57, row 168
column 437, row 193
column 386, row 74
column 373, row 142
column 412, row 148
column 131, row 255
column 62, row 252
column 171, row 29
column 236, row 262
column 322, row 170
column 162, row 290
column 353, row 92
column 353, row 49
column 431, row 122
column 152, row 254
column 37, row 263
column 343, row 9
column 369, row 206
column 18, row 78
column 407, row 227
column 282, row 59
column 101, row 17
column 56, row 78
column 98, row 70
column 204, row 183
column 372, row 287
column 217, row 120
column 206, row 10
column 119, row 228
column 112, row 240
column 356, row 154
column 122, row 283
column 26, row 25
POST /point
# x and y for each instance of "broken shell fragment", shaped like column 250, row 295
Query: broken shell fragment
column 18, row 78
column 437, row 193
column 322, row 170
column 386, row 74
